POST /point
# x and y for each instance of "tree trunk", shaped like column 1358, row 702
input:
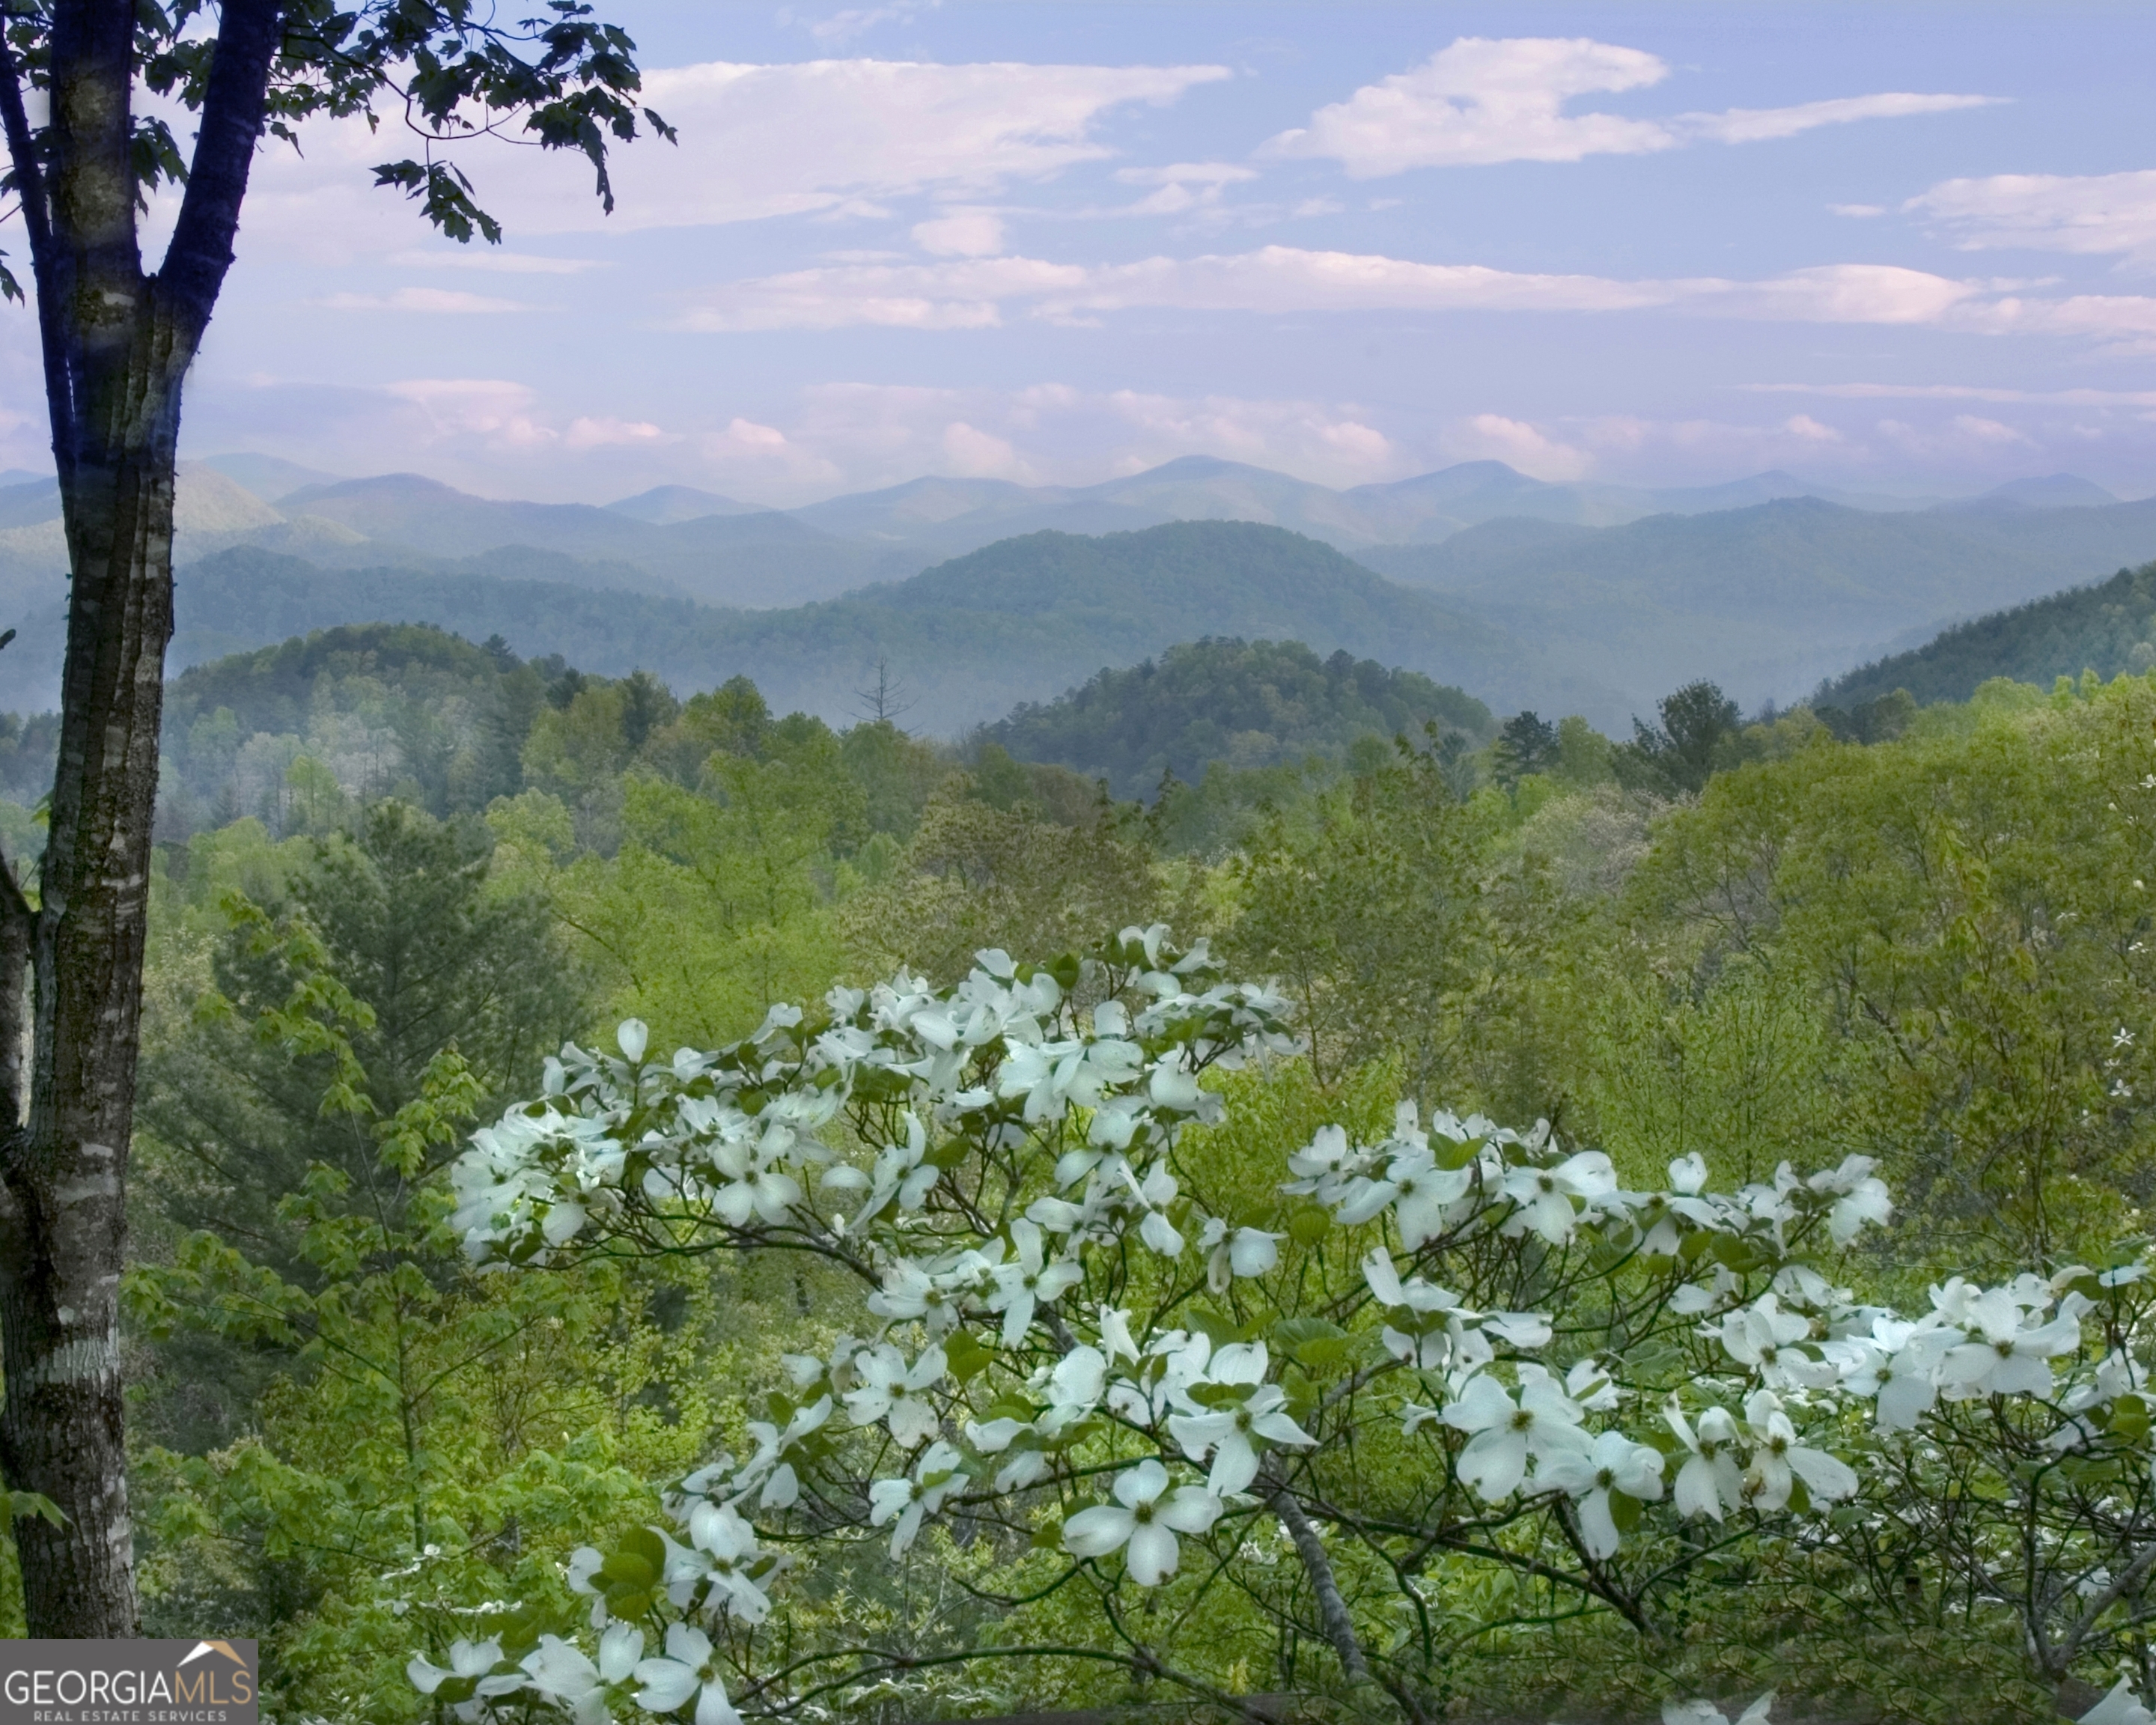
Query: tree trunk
column 117, row 345
column 63, row 1228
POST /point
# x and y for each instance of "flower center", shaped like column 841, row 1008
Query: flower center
column 1143, row 1514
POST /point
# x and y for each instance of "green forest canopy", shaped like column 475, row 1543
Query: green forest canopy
column 1244, row 704
column 1804, row 961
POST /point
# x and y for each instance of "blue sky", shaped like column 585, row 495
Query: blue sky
column 1891, row 247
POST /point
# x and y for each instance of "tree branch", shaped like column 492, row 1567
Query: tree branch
column 1331, row 1609
column 234, row 105
column 2128, row 1579
column 49, row 265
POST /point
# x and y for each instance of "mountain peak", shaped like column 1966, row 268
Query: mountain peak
column 2056, row 490
column 664, row 504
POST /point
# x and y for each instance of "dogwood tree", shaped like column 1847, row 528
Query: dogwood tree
column 1072, row 1332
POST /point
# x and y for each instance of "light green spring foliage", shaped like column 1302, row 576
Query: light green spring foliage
column 1966, row 909
column 1924, row 950
column 432, row 1442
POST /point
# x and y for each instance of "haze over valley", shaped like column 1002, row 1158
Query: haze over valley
column 980, row 595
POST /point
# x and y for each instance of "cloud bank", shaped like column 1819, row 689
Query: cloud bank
column 1482, row 101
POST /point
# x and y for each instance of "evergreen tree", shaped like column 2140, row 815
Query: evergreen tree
column 1684, row 750
column 231, row 1123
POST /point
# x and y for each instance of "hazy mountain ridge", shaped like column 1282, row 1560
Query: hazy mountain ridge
column 967, row 642
column 721, row 550
column 1765, row 600
column 1601, row 608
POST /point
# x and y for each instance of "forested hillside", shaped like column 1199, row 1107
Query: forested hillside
column 467, row 855
column 2107, row 629
column 1241, row 704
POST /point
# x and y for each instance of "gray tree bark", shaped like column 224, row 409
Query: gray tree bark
column 117, row 346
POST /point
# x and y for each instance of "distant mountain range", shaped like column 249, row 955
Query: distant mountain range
column 1766, row 600
column 963, row 642
column 678, row 541
column 1574, row 597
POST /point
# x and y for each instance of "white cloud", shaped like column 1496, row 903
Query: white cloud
column 855, row 20
column 962, row 234
column 2089, row 213
column 1804, row 426
column 493, row 261
column 1056, row 433
column 960, row 295
column 1965, row 437
column 1492, row 436
column 976, row 294
column 1860, row 212
column 1964, row 392
column 825, row 137
column 747, row 454
column 1753, row 125
column 2123, row 323
column 495, row 409
column 1185, row 173
column 430, row 300
column 587, row 433
column 1182, row 187
column 973, row 453
column 1330, row 443
column 1480, row 101
column 1843, row 293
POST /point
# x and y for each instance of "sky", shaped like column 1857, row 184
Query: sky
column 1906, row 248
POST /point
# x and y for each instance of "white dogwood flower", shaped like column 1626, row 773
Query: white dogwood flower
column 1706, row 1712
column 1710, row 1482
column 1614, row 1463
column 891, row 1391
column 1778, row 1459
column 563, row 1673
column 688, row 1669
column 936, row 1477
column 1226, row 1434
column 2005, row 1358
column 1545, row 1195
column 2121, row 1706
column 1146, row 1517
column 1028, row 1282
column 1543, row 1423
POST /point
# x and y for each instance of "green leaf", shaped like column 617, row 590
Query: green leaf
column 1219, row 1329
column 967, row 1354
column 1295, row 1333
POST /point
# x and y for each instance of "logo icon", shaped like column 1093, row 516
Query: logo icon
column 211, row 1681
